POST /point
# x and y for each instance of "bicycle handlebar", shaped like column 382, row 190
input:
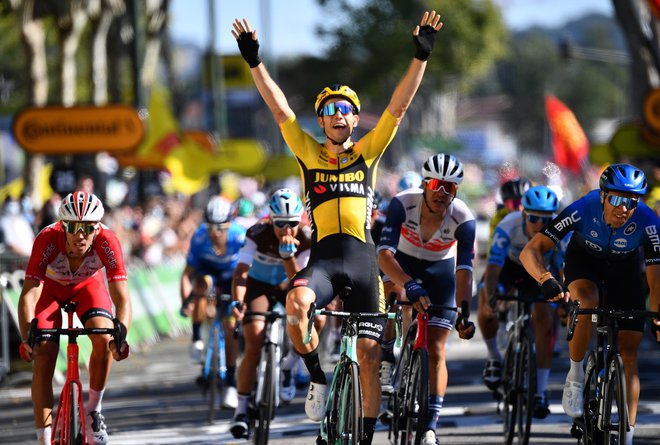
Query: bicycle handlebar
column 506, row 297
column 114, row 332
column 268, row 315
column 619, row 314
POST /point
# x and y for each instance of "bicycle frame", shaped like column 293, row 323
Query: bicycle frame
column 606, row 355
column 347, row 359
column 70, row 411
column 274, row 336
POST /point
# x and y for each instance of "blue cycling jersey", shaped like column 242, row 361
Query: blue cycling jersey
column 585, row 219
column 203, row 258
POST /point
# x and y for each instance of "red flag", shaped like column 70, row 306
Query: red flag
column 569, row 143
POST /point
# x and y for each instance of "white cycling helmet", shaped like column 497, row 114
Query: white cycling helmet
column 81, row 207
column 286, row 205
column 443, row 167
column 219, row 210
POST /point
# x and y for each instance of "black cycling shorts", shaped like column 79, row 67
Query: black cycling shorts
column 261, row 297
column 622, row 280
column 338, row 261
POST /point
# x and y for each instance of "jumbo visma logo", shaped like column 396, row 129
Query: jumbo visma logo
column 352, row 182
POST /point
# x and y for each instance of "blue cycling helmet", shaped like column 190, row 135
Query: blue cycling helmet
column 410, row 180
column 286, row 205
column 623, row 178
column 540, row 199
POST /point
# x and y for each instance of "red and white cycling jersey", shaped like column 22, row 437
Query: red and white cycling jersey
column 49, row 260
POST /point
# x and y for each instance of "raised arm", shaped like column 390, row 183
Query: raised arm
column 269, row 90
column 424, row 38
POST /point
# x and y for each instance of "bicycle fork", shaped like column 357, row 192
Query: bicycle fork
column 63, row 418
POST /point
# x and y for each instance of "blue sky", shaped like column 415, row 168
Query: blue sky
column 293, row 21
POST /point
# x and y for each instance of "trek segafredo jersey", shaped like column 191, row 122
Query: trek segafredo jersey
column 339, row 189
column 455, row 238
column 585, row 218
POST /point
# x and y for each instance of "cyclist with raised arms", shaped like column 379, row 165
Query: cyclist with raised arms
column 609, row 226
column 339, row 177
column 209, row 270
column 66, row 266
column 274, row 251
column 505, row 269
column 427, row 248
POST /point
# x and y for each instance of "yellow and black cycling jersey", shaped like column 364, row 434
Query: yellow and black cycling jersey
column 494, row 221
column 339, row 189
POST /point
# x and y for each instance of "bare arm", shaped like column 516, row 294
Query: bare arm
column 186, row 282
column 407, row 87
column 269, row 90
column 122, row 301
column 28, row 300
column 463, row 286
column 239, row 282
column 653, row 278
column 491, row 277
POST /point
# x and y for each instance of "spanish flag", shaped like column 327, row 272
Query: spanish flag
column 569, row 142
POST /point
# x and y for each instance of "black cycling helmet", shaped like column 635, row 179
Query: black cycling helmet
column 515, row 188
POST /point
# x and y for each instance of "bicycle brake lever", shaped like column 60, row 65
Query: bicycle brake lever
column 32, row 333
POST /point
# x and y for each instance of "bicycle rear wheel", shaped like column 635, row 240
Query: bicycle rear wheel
column 214, row 371
column 615, row 410
column 350, row 426
column 266, row 406
column 590, row 404
column 417, row 399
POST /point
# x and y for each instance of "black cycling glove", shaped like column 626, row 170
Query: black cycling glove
column 249, row 48
column 414, row 291
column 551, row 288
column 424, row 42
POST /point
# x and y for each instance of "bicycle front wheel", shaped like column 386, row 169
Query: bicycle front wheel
column 590, row 404
column 615, row 410
column 525, row 389
column 74, row 429
column 266, row 406
column 417, row 399
column 400, row 384
column 214, row 371
column 350, row 429
column 509, row 397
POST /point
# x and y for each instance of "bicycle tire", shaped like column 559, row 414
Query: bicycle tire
column 400, row 384
column 615, row 425
column 350, row 394
column 213, row 377
column 416, row 399
column 590, row 400
column 266, row 406
column 526, row 389
column 74, row 426
column 509, row 399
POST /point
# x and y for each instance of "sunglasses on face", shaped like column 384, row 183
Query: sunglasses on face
column 331, row 109
column 617, row 200
column 536, row 218
column 218, row 227
column 435, row 185
column 281, row 224
column 73, row 227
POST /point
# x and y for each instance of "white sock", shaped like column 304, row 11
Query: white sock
column 493, row 350
column 44, row 435
column 243, row 403
column 629, row 437
column 542, row 375
column 94, row 403
column 576, row 373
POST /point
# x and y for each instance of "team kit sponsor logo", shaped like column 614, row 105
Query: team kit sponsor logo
column 654, row 237
column 351, row 182
column 567, row 221
column 630, row 229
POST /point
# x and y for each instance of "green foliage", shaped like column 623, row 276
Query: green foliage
column 370, row 46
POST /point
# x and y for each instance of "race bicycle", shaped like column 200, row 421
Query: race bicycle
column 605, row 419
column 69, row 427
column 519, row 370
column 409, row 398
column 343, row 422
column 266, row 397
